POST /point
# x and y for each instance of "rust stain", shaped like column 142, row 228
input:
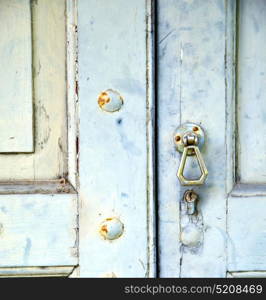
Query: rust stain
column 77, row 144
column 62, row 181
column 77, row 153
column 111, row 228
column 103, row 99
column 77, row 88
column 104, row 229
column 177, row 138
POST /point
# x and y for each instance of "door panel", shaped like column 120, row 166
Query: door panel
column 90, row 153
column 247, row 202
column 16, row 123
column 192, row 87
column 251, row 92
column 116, row 147
column 38, row 230
column 246, row 228
column 50, row 106
column 199, row 46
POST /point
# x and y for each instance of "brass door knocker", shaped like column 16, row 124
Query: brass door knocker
column 189, row 138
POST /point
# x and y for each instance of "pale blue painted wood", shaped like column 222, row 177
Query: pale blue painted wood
column 38, row 230
column 192, row 88
column 246, row 203
column 113, row 159
column 246, row 228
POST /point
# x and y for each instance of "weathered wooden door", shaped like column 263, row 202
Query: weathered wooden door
column 38, row 198
column 190, row 61
column 92, row 92
column 211, row 64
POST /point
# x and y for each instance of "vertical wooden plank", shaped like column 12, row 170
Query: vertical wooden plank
column 151, row 138
column 168, row 119
column 72, row 91
column 49, row 41
column 16, row 127
column 230, row 95
column 113, row 145
column 192, row 88
column 251, row 91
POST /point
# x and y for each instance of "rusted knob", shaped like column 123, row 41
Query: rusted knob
column 110, row 101
column 191, row 199
column 111, row 228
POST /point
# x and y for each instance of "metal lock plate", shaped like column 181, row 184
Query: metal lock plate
column 188, row 139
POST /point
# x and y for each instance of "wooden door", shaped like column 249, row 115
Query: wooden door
column 92, row 92
column 38, row 198
column 145, row 67
column 117, row 237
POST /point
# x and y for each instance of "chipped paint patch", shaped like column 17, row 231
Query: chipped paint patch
column 192, row 229
column 191, row 235
column 27, row 250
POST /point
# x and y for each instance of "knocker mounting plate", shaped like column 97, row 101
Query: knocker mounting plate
column 184, row 129
column 188, row 139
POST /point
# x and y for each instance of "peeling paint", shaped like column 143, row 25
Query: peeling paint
column 192, row 228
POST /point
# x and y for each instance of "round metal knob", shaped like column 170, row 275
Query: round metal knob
column 111, row 228
column 110, row 101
